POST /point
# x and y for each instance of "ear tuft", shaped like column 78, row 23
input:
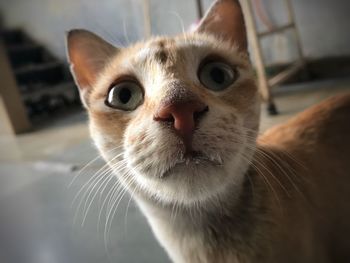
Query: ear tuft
column 87, row 55
column 225, row 19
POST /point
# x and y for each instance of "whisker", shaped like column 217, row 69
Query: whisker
column 88, row 164
column 126, row 36
column 258, row 152
column 176, row 14
column 105, row 182
column 92, row 180
column 283, row 171
column 261, row 163
column 267, row 182
column 127, row 207
column 114, row 207
column 90, row 185
column 109, row 194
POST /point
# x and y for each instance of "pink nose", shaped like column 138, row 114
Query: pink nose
column 183, row 116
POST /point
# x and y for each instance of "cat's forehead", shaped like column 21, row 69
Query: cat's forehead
column 165, row 49
column 157, row 48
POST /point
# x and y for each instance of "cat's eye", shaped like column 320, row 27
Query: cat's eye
column 125, row 96
column 217, row 76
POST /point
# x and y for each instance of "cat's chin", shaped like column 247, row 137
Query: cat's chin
column 195, row 181
column 192, row 163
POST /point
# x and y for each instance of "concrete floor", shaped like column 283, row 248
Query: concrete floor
column 37, row 217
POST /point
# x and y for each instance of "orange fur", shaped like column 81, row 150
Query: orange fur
column 309, row 155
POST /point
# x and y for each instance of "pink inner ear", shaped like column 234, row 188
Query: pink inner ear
column 81, row 70
column 87, row 53
column 225, row 20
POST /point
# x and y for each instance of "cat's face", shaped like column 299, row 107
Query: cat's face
column 177, row 117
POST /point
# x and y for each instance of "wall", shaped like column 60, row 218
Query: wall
column 323, row 24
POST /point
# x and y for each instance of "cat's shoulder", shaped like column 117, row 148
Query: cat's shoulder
column 327, row 120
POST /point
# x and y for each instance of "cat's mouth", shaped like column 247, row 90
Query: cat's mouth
column 192, row 161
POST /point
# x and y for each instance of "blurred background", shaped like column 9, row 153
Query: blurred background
column 301, row 52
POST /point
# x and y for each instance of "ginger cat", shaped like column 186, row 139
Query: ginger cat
column 177, row 120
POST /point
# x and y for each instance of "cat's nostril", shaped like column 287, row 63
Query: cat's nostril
column 198, row 114
column 164, row 117
column 169, row 119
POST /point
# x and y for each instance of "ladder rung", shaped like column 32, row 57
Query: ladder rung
column 287, row 73
column 276, row 30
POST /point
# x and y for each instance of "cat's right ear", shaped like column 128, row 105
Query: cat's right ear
column 87, row 55
column 225, row 20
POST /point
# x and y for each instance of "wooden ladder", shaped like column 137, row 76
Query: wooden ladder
column 265, row 84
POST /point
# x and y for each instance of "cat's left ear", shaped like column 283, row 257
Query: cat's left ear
column 225, row 20
column 87, row 54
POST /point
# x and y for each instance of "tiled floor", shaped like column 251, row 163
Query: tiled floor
column 36, row 212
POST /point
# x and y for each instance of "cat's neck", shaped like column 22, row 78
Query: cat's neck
column 228, row 228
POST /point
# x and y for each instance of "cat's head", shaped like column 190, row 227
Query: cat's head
column 176, row 117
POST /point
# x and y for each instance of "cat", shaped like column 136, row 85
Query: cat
column 177, row 119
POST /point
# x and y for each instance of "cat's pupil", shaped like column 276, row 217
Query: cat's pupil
column 217, row 75
column 124, row 95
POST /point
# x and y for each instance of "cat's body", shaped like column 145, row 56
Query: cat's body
column 316, row 226
column 177, row 121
